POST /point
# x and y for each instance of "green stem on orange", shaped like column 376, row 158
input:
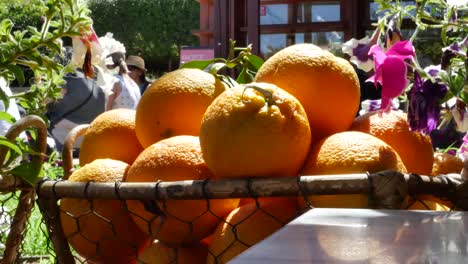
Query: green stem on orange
column 267, row 94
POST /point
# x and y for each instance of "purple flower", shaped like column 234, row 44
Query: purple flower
column 424, row 106
column 359, row 51
column 391, row 69
column 373, row 105
column 452, row 51
column 452, row 152
column 460, row 115
column 433, row 70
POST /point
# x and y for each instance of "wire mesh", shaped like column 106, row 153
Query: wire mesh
column 8, row 205
column 202, row 230
column 33, row 240
column 117, row 231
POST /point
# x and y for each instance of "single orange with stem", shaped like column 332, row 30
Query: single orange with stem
column 255, row 130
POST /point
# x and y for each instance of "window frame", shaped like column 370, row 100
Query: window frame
column 240, row 20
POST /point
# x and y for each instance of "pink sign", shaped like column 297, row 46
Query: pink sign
column 263, row 10
column 187, row 54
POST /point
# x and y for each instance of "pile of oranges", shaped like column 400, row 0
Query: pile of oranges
column 298, row 117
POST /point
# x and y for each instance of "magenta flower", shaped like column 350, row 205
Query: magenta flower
column 390, row 70
column 464, row 147
column 91, row 36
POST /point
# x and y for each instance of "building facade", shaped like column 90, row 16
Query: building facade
column 270, row 25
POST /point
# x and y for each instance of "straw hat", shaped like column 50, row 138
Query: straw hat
column 137, row 62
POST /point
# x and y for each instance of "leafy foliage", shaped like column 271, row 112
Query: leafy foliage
column 35, row 48
column 239, row 58
column 22, row 13
column 154, row 29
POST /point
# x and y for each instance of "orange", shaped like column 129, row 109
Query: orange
column 327, row 86
column 158, row 253
column 111, row 135
column 179, row 221
column 101, row 230
column 174, row 105
column 248, row 225
column 445, row 163
column 428, row 202
column 346, row 153
column 255, row 130
column 414, row 148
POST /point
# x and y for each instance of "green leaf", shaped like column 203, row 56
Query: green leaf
column 5, row 27
column 231, row 64
column 216, row 67
column 7, row 117
column 5, row 99
column 33, row 134
column 255, row 61
column 55, row 47
column 243, row 77
column 55, row 24
column 33, row 30
column 19, row 74
column 198, row 64
column 231, row 83
column 409, row 8
column 5, row 142
column 30, row 172
column 443, row 34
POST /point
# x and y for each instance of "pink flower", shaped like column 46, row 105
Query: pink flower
column 464, row 147
column 390, row 70
column 91, row 36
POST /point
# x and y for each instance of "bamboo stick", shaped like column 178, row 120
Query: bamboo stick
column 10, row 183
column 51, row 212
column 253, row 187
column 18, row 225
column 26, row 199
column 67, row 152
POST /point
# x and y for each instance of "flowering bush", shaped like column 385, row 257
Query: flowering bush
column 436, row 94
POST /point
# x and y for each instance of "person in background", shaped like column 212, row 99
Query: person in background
column 12, row 108
column 125, row 92
column 83, row 100
column 136, row 66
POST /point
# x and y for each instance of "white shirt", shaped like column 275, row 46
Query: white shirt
column 129, row 96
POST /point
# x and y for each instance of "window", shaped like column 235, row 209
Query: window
column 274, row 14
column 271, row 25
column 287, row 22
column 322, row 39
column 318, row 12
column 272, row 43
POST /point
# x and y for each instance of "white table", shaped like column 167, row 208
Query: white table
column 365, row 236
